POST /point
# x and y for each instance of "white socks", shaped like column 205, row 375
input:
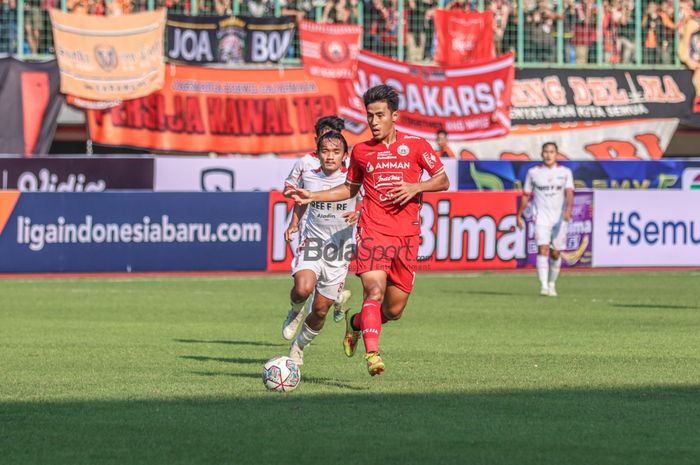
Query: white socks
column 542, row 266
column 305, row 336
column 297, row 306
column 554, row 267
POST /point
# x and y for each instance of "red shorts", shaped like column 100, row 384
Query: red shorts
column 394, row 254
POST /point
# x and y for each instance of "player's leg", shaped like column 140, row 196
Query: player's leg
column 543, row 236
column 311, row 327
column 558, row 244
column 340, row 306
column 304, row 284
column 401, row 277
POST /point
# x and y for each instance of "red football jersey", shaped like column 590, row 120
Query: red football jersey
column 378, row 168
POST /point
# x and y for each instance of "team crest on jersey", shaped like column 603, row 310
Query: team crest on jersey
column 370, row 168
column 429, row 159
column 403, row 150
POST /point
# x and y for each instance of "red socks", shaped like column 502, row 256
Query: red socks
column 371, row 320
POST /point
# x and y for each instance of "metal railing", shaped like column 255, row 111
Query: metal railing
column 587, row 33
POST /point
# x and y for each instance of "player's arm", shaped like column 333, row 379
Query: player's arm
column 569, row 204
column 569, row 196
column 524, row 200
column 405, row 191
column 293, row 178
column 338, row 193
column 297, row 213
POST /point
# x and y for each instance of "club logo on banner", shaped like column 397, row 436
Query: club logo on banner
column 221, row 110
column 330, row 50
column 198, row 40
column 108, row 58
column 463, row 37
column 470, row 102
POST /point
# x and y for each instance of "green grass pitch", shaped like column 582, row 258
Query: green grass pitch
column 481, row 370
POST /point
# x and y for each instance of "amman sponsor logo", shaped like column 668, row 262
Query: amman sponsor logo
column 394, row 165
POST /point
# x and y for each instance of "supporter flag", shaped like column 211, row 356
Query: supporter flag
column 469, row 102
column 330, row 50
column 463, row 37
column 108, row 58
column 29, row 103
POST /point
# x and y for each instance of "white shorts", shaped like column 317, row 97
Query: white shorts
column 330, row 277
column 552, row 235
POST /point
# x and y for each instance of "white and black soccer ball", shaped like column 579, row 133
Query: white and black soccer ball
column 281, row 374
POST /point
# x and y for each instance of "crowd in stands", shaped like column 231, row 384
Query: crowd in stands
column 543, row 22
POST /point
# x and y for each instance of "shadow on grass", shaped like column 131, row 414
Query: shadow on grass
column 245, row 361
column 237, row 343
column 640, row 426
column 672, row 307
column 305, row 378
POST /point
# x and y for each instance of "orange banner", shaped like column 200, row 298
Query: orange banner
column 222, row 111
column 108, row 58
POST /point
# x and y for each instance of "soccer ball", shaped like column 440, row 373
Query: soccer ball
column 281, row 374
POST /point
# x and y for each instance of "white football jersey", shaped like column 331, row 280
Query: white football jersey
column 548, row 187
column 324, row 220
column 308, row 162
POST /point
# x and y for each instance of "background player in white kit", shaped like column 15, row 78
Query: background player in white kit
column 326, row 245
column 310, row 162
column 552, row 188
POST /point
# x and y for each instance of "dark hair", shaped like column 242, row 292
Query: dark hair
column 441, row 131
column 550, row 143
column 331, row 135
column 382, row 93
column 334, row 123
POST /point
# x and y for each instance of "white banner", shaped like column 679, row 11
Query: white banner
column 221, row 174
column 187, row 174
column 644, row 139
column 646, row 228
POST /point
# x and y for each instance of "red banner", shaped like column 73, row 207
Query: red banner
column 469, row 102
column 223, row 111
column 459, row 231
column 463, row 37
column 330, row 50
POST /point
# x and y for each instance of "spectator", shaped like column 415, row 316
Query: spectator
column 261, row 8
column 33, row 24
column 626, row 32
column 584, row 31
column 541, row 21
column 8, row 26
column 500, row 10
column 223, row 7
column 653, row 34
column 443, row 149
column 341, row 12
column 417, row 25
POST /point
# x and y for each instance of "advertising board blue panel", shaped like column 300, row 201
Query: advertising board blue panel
column 616, row 174
column 129, row 231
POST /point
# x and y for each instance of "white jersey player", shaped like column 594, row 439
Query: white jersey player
column 551, row 187
column 325, row 249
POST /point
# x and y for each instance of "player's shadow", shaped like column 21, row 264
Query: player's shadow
column 244, row 424
column 489, row 293
column 243, row 361
column 670, row 307
column 305, row 379
column 235, row 343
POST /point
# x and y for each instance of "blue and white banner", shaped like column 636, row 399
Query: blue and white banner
column 617, row 174
column 90, row 232
column 646, row 228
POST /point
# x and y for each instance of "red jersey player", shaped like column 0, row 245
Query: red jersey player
column 389, row 167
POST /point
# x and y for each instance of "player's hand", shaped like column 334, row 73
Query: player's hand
column 290, row 231
column 404, row 192
column 351, row 217
column 288, row 191
column 520, row 222
column 567, row 216
column 301, row 196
